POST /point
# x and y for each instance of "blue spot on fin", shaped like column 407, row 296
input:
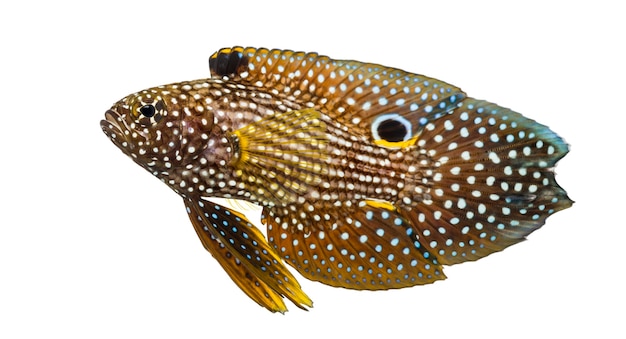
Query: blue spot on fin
column 365, row 247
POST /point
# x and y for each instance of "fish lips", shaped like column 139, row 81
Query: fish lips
column 114, row 127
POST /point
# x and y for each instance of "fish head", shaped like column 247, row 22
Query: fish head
column 157, row 128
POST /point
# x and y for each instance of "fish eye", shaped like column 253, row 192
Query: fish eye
column 391, row 127
column 147, row 111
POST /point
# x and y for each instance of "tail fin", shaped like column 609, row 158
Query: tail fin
column 493, row 184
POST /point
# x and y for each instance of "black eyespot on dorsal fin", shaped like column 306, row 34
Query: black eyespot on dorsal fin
column 227, row 61
column 392, row 130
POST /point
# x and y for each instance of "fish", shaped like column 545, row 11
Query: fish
column 369, row 177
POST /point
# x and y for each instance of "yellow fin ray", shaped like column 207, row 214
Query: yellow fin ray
column 281, row 156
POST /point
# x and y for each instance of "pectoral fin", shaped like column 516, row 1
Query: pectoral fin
column 281, row 156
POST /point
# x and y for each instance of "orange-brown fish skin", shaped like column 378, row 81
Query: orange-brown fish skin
column 370, row 177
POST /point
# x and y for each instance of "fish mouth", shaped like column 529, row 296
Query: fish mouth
column 113, row 127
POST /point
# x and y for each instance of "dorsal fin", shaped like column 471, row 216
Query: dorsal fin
column 352, row 92
column 227, row 61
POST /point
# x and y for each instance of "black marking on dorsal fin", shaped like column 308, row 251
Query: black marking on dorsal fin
column 227, row 61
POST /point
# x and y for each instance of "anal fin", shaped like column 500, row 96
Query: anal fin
column 245, row 255
column 365, row 247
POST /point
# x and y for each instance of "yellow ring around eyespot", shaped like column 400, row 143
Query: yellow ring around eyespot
column 397, row 144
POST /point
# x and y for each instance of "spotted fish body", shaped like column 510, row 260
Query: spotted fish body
column 370, row 177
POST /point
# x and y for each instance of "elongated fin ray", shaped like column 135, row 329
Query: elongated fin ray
column 256, row 289
column 493, row 185
column 281, row 156
column 351, row 92
column 245, row 255
column 365, row 247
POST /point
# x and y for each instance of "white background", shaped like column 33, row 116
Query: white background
column 92, row 246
